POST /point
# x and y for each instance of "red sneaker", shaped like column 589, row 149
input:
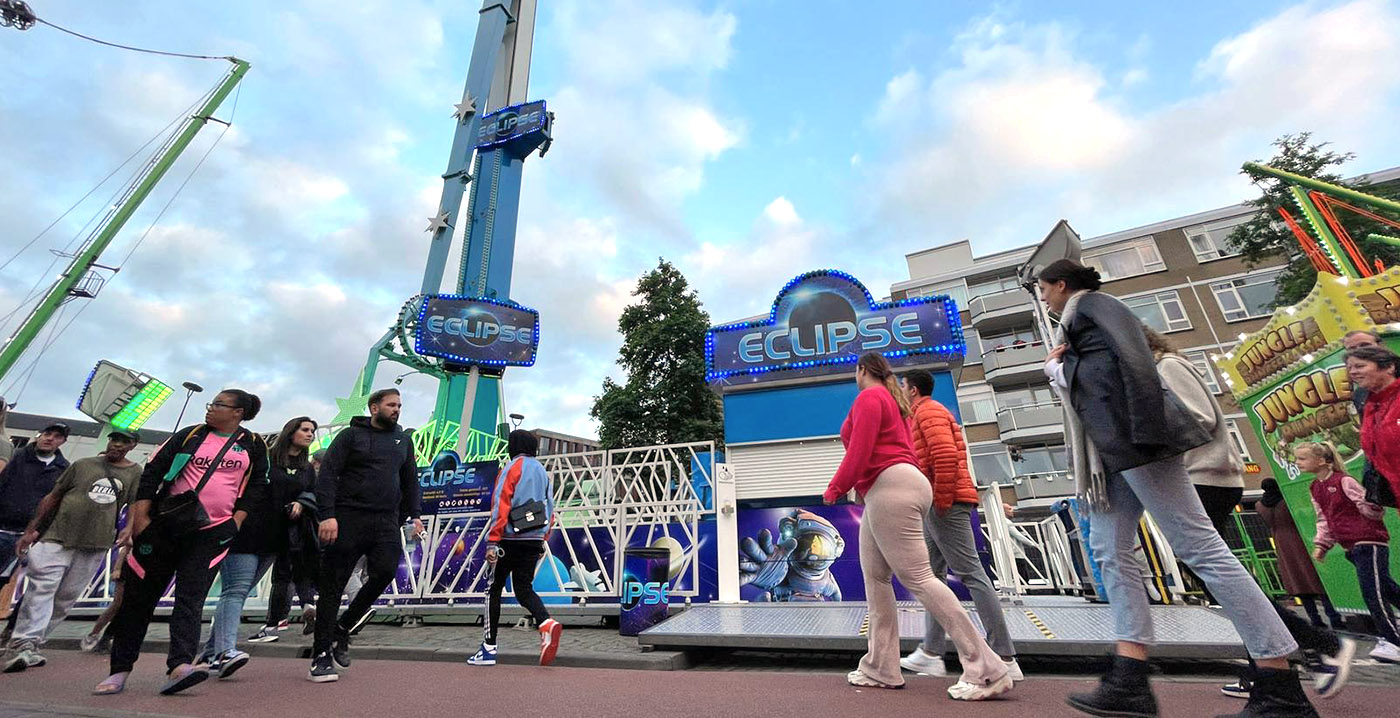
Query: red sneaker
column 550, row 631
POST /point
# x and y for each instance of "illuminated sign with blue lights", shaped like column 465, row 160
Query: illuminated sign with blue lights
column 827, row 318
column 477, row 331
column 527, row 123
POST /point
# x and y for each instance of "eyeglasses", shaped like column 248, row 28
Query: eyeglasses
column 210, row 406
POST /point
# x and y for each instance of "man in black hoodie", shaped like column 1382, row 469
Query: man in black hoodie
column 24, row 482
column 366, row 490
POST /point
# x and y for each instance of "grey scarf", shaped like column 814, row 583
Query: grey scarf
column 1090, row 481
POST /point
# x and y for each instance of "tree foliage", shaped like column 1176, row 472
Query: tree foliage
column 665, row 399
column 1267, row 238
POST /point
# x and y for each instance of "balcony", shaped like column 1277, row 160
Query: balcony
column 1050, row 484
column 1015, row 364
column 1031, row 424
column 1000, row 310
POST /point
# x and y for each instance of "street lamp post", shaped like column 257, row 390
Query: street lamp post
column 191, row 389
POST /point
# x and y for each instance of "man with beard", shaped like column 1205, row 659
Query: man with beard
column 366, row 490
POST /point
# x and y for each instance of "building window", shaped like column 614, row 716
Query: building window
column 1042, row 460
column 974, row 342
column 544, row 444
column 1247, row 297
column 1202, row 363
column 990, row 464
column 1139, row 256
column 1024, row 395
column 1162, row 311
column 1208, row 240
column 1010, row 337
column 1233, row 427
column 994, row 285
column 976, row 405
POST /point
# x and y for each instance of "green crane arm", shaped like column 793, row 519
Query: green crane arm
column 87, row 257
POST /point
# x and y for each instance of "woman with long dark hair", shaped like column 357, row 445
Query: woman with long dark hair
column 195, row 493
column 881, row 467
column 1126, row 435
column 261, row 540
column 292, row 478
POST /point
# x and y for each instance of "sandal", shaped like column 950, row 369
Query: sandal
column 193, row 676
column 114, row 684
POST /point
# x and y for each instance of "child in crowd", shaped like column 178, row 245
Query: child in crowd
column 1345, row 518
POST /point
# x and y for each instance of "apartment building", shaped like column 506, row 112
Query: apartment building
column 554, row 442
column 1179, row 276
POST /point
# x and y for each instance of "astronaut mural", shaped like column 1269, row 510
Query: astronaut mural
column 801, row 554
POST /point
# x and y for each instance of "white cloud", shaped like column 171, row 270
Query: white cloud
column 1023, row 118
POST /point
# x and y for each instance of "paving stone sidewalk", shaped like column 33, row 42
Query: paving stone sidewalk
column 586, row 643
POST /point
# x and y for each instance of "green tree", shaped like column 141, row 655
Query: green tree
column 666, row 399
column 1267, row 238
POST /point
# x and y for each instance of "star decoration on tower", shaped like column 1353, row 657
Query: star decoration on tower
column 437, row 223
column 465, row 109
column 349, row 408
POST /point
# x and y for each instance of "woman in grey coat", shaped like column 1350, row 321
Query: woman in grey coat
column 1216, row 470
column 1127, row 434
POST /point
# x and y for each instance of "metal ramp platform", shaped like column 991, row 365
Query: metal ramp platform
column 1039, row 626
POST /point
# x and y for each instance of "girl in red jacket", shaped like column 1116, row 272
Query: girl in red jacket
column 1345, row 518
column 880, row 465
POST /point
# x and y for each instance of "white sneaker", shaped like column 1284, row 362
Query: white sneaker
column 1386, row 652
column 921, row 662
column 1013, row 669
column 1331, row 676
column 964, row 691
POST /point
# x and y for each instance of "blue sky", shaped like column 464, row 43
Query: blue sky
column 746, row 141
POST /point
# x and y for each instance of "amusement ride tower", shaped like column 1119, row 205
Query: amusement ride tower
column 468, row 335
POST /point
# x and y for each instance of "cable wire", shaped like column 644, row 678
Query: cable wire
column 129, row 47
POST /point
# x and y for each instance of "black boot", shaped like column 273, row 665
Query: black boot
column 1277, row 694
column 1123, row 692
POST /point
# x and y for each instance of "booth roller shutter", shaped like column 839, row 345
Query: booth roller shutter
column 784, row 468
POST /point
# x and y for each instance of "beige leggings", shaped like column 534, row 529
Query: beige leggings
column 892, row 543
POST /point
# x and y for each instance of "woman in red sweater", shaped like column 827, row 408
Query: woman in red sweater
column 1373, row 368
column 880, row 465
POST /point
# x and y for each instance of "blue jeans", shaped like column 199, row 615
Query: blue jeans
column 1164, row 490
column 238, row 573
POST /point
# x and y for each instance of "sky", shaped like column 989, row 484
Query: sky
column 745, row 141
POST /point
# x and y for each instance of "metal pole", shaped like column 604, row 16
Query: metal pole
column 1327, row 187
column 62, row 289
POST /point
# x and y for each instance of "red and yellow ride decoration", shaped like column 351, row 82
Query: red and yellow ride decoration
column 1290, row 376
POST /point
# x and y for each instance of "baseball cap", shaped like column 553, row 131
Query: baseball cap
column 129, row 434
column 59, row 427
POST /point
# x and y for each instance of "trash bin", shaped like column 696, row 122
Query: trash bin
column 646, row 589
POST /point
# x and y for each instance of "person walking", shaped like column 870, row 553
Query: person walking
column 292, row 480
column 942, row 453
column 1346, row 519
column 1295, row 566
column 66, row 542
column 366, row 492
column 27, row 478
column 1373, row 370
column 195, row 492
column 1126, row 435
column 261, row 539
column 522, row 514
column 1215, row 468
column 1378, row 489
column 880, row 465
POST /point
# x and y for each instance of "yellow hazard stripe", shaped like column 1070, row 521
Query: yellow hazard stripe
column 865, row 625
column 1039, row 624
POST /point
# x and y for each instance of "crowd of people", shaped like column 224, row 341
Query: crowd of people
column 1144, row 433
column 216, row 500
